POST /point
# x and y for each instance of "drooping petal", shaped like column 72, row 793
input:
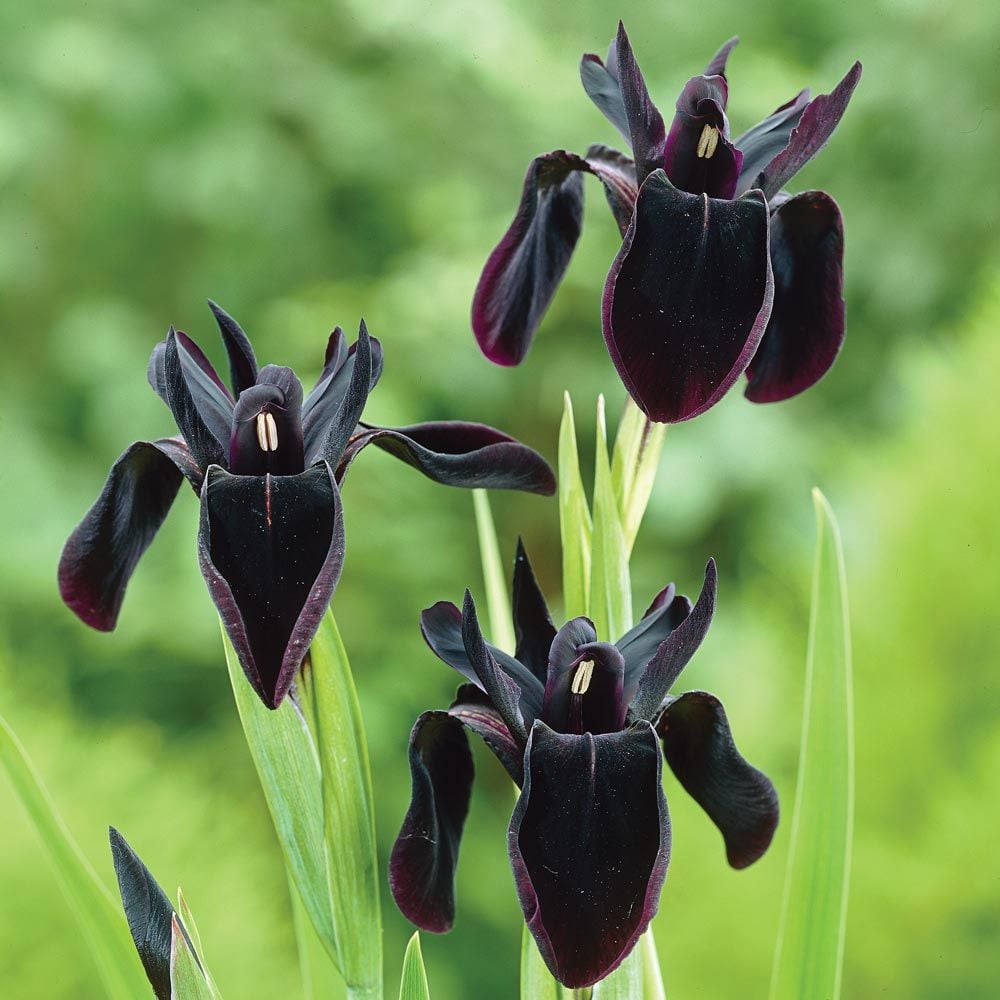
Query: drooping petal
column 647, row 132
column 738, row 798
column 815, row 127
column 767, row 138
column 99, row 557
column 524, row 269
column 271, row 549
column 188, row 396
column 589, row 843
column 533, row 628
column 423, row 859
column 806, row 328
column 473, row 707
column 617, row 173
column 674, row 653
column 441, row 627
column 457, row 453
column 148, row 912
column 602, row 87
column 242, row 360
column 717, row 66
column 699, row 157
column 687, row 298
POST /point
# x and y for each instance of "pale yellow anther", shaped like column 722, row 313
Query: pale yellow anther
column 272, row 431
column 261, row 432
column 708, row 142
column 582, row 677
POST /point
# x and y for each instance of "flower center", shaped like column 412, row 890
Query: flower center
column 267, row 432
column 708, row 142
column 582, row 677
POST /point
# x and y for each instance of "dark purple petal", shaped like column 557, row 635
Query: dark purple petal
column 322, row 404
column 806, row 329
column 738, row 798
column 699, row 156
column 335, row 356
column 639, row 644
column 602, row 87
column 195, row 403
column 271, row 549
column 533, row 628
column 646, row 129
column 766, row 139
column 617, row 173
column 522, row 272
column 472, row 706
column 687, row 298
column 267, row 426
column 242, row 360
column 441, row 627
column 457, row 453
column 676, row 650
column 815, row 127
column 575, row 633
column 99, row 557
column 589, row 843
column 423, row 859
column 717, row 66
column 504, row 692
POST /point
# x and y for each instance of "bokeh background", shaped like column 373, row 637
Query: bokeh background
column 305, row 164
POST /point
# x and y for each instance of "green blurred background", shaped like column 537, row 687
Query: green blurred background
column 307, row 163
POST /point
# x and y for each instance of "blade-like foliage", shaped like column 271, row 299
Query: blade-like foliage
column 187, row 981
column 652, row 977
column 501, row 627
column 574, row 520
column 536, row 980
column 320, row 978
column 810, row 948
column 634, row 463
column 625, row 983
column 413, row 985
column 98, row 913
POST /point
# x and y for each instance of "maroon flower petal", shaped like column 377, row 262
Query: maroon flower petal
column 687, row 298
column 589, row 843
column 640, row 643
column 99, row 557
column 646, row 129
column 533, row 628
column 600, row 81
column 806, row 328
column 738, row 798
column 815, row 127
column 423, row 859
column 562, row 661
column 617, row 173
column 717, row 66
column 676, row 651
column 242, row 360
column 523, row 271
column 472, row 706
column 767, row 138
column 271, row 549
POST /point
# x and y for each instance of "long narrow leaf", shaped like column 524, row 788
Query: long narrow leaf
column 98, row 913
column 625, row 983
column 413, row 985
column 187, row 981
column 652, row 977
column 634, row 463
column 575, row 524
column 809, row 953
column 498, row 603
column 536, row 980
column 320, row 979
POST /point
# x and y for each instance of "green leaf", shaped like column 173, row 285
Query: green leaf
column 320, row 980
column 330, row 703
column 809, row 953
column 413, row 985
column 610, row 585
column 187, row 981
column 187, row 919
column 633, row 467
column 625, row 983
column 536, row 980
column 501, row 626
column 652, row 977
column 98, row 913
column 574, row 520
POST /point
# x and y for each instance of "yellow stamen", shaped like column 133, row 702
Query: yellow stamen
column 708, row 142
column 272, row 431
column 582, row 677
column 261, row 432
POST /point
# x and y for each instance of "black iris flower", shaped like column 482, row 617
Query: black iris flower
column 267, row 461
column 580, row 725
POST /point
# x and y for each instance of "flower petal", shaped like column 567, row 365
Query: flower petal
column 738, row 798
column 806, row 329
column 767, row 138
column 275, row 446
column 423, row 859
column 717, row 66
column 524, row 269
column 457, row 453
column 472, row 706
column 271, row 549
column 640, row 643
column 674, row 653
column 647, row 132
column 687, row 298
column 617, row 173
column 242, row 360
column 589, row 843
column 815, row 127
column 99, row 557
column 602, row 87
column 533, row 628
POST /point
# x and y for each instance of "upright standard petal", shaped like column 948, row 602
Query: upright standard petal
column 242, row 360
column 533, row 628
column 600, row 81
column 767, row 138
column 99, row 557
column 589, row 843
column 646, row 128
column 738, row 798
column 814, row 128
column 457, row 453
column 687, row 298
column 271, row 549
column 806, row 328
column 205, row 428
column 717, row 65
column 523, row 271
column 638, row 645
column 675, row 652
column 423, row 859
